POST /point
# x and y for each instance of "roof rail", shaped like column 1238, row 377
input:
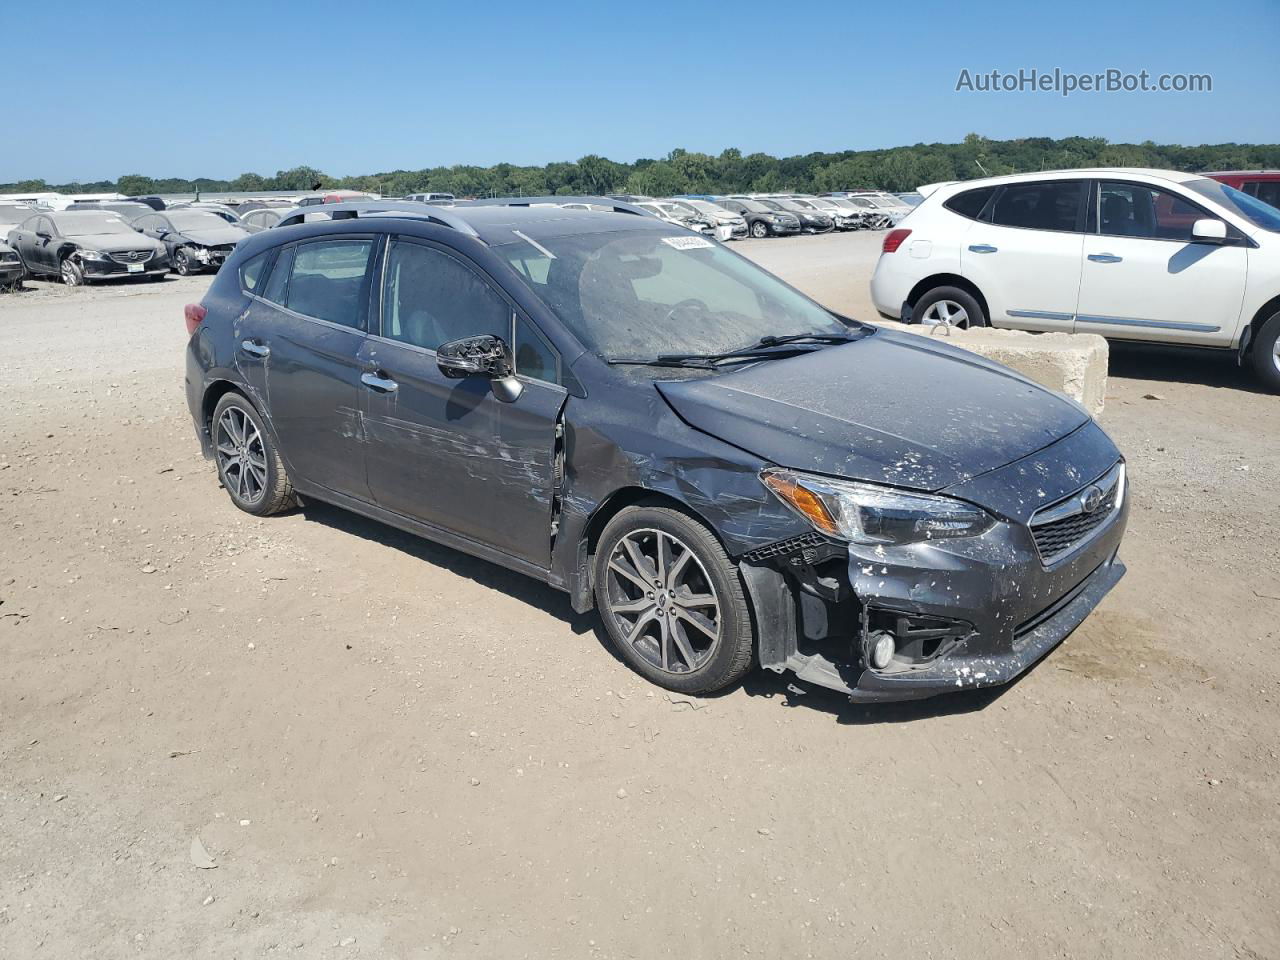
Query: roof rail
column 361, row 209
column 617, row 206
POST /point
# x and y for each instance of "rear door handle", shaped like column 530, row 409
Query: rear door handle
column 375, row 381
column 1105, row 258
column 982, row 248
column 255, row 347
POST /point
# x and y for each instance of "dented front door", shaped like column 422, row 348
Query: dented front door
column 449, row 453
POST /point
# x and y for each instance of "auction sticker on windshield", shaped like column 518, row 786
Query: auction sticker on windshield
column 687, row 243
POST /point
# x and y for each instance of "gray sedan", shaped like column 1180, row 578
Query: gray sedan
column 197, row 240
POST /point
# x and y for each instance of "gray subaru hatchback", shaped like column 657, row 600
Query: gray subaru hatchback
column 731, row 474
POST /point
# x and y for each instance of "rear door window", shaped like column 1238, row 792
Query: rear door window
column 327, row 280
column 1048, row 205
column 1268, row 191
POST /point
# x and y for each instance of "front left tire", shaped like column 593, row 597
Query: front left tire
column 672, row 602
column 71, row 272
column 1266, row 354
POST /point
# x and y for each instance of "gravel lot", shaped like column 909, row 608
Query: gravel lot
column 389, row 749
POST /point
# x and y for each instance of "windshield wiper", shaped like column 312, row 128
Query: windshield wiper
column 766, row 348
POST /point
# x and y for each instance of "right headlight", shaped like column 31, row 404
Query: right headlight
column 869, row 514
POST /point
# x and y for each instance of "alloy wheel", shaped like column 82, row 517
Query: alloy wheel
column 1275, row 354
column 182, row 264
column 759, row 230
column 946, row 313
column 242, row 461
column 662, row 601
column 69, row 275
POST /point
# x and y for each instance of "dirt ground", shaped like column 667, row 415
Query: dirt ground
column 390, row 750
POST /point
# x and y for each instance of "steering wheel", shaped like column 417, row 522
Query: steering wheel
column 692, row 303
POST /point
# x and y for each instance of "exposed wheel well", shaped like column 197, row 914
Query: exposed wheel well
column 216, row 391
column 581, row 587
column 948, row 280
column 619, row 500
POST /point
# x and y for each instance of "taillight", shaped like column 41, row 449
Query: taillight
column 194, row 314
column 893, row 240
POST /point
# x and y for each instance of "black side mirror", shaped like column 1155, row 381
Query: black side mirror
column 485, row 356
column 44, row 235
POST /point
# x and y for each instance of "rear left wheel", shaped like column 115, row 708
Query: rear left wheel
column 949, row 306
column 672, row 602
column 248, row 465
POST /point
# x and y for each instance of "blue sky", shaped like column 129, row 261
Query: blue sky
column 219, row 89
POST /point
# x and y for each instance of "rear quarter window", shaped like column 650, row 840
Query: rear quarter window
column 253, row 272
column 970, row 203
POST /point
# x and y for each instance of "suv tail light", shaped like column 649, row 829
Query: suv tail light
column 893, row 240
column 194, row 314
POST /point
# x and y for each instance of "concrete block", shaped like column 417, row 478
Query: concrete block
column 1074, row 364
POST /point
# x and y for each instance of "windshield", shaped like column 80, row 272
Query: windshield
column 638, row 294
column 753, row 206
column 74, row 224
column 196, row 220
column 1254, row 210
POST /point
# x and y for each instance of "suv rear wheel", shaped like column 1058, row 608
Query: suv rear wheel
column 1266, row 354
column 672, row 601
column 248, row 465
column 943, row 306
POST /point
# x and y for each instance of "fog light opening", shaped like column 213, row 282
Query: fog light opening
column 883, row 647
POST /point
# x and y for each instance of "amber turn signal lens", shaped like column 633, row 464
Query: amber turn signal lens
column 802, row 500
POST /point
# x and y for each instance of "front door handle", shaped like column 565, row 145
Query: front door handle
column 375, row 381
column 1105, row 258
column 255, row 347
column 982, row 248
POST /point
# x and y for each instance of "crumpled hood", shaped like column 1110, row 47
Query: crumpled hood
column 115, row 242
column 893, row 408
column 212, row 238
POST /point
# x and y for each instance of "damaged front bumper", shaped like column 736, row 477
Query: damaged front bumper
column 951, row 615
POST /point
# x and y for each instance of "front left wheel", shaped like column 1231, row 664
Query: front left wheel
column 672, row 602
column 1266, row 354
column 71, row 272
column 248, row 465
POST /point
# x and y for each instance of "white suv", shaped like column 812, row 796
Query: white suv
column 1131, row 254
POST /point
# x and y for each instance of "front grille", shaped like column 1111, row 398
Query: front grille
column 132, row 256
column 1061, row 528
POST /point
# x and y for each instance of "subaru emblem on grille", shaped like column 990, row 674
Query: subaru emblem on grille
column 1091, row 499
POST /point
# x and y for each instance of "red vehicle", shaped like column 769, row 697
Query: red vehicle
column 1263, row 184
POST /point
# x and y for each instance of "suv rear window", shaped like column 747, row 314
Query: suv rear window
column 970, row 203
column 1050, row 205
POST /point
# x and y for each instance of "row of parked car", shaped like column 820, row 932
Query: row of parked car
column 149, row 237
column 780, row 214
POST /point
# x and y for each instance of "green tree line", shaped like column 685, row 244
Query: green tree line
column 682, row 171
